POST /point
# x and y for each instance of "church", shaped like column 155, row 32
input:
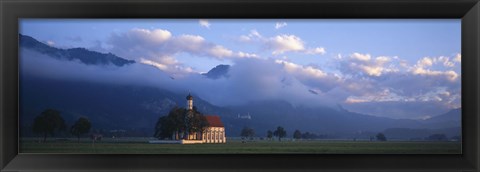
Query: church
column 215, row 132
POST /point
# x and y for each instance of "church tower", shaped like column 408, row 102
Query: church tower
column 189, row 102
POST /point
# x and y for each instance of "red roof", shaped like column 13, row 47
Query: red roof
column 214, row 121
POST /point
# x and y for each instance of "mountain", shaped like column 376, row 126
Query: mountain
column 449, row 119
column 453, row 115
column 267, row 115
column 420, row 134
column 83, row 55
column 108, row 106
column 136, row 108
column 218, row 72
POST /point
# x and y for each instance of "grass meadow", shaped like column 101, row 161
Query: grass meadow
column 141, row 146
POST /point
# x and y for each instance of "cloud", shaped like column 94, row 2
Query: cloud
column 246, row 55
column 219, row 51
column 254, row 35
column 318, row 50
column 161, row 47
column 426, row 61
column 50, row 43
column 364, row 65
column 158, row 65
column 458, row 58
column 250, row 79
column 280, row 44
column 149, row 36
column 424, row 65
column 204, row 23
column 385, row 86
column 279, row 25
column 311, row 76
column 379, row 85
column 284, row 43
column 400, row 94
column 360, row 57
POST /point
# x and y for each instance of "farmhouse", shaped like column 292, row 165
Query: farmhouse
column 215, row 132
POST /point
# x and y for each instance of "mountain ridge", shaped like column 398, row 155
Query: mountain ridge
column 139, row 107
column 84, row 55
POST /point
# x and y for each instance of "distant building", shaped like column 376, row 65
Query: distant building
column 215, row 132
column 244, row 116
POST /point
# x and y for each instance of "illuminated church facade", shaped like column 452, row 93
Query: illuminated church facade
column 215, row 132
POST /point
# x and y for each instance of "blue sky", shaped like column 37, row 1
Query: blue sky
column 351, row 60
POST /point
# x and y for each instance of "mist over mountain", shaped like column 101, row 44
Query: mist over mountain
column 128, row 98
column 218, row 71
column 83, row 55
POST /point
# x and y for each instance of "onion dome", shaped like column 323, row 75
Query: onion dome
column 189, row 97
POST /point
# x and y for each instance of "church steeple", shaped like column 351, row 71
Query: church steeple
column 189, row 102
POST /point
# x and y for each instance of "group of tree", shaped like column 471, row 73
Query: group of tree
column 247, row 133
column 381, row 137
column 437, row 137
column 50, row 121
column 180, row 122
column 297, row 134
column 279, row 133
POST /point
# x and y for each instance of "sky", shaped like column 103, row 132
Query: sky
column 394, row 68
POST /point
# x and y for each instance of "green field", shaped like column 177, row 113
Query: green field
column 140, row 146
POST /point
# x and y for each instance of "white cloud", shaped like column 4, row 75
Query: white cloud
column 446, row 61
column 219, row 51
column 50, row 43
column 458, row 58
column 279, row 25
column 311, row 76
column 253, row 35
column 318, row 50
column 281, row 44
column 190, row 43
column 364, row 64
column 246, row 55
column 159, row 47
column 426, row 61
column 284, row 43
column 382, row 60
column 360, row 57
column 153, row 36
column 204, row 23
column 156, row 64
column 423, row 68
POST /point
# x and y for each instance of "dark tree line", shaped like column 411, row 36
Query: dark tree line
column 180, row 122
column 381, row 137
column 50, row 121
column 80, row 127
column 280, row 133
column 247, row 133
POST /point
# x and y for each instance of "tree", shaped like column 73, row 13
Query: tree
column 437, row 137
column 269, row 134
column 180, row 121
column 247, row 132
column 381, row 137
column 81, row 126
column 48, row 122
column 297, row 134
column 196, row 122
column 164, row 128
column 280, row 132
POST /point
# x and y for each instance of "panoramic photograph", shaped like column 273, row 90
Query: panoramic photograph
column 240, row 86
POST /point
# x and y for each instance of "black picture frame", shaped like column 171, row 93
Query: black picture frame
column 12, row 10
